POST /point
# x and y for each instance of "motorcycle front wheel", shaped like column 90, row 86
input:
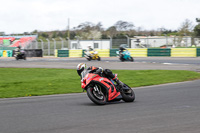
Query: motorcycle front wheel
column 95, row 94
column 121, row 58
column 99, row 58
column 131, row 59
column 89, row 58
column 128, row 94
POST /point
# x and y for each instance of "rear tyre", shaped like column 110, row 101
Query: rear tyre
column 96, row 96
column 128, row 94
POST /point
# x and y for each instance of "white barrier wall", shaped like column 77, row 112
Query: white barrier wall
column 95, row 44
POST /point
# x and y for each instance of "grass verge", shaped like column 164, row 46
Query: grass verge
column 21, row 82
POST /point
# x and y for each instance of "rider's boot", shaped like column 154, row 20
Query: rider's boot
column 119, row 83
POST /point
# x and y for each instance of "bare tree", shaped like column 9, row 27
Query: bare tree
column 186, row 28
column 123, row 25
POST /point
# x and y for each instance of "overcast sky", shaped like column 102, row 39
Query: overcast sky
column 18, row 16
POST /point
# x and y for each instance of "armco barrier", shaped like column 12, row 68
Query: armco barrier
column 183, row 52
column 198, row 51
column 159, row 52
column 75, row 53
column 103, row 52
column 113, row 52
column 140, row 52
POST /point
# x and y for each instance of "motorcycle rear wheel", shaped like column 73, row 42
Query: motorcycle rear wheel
column 98, row 99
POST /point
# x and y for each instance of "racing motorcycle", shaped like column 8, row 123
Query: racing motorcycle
column 20, row 55
column 92, row 55
column 125, row 56
column 101, row 90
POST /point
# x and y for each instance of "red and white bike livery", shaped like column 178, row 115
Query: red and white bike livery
column 101, row 89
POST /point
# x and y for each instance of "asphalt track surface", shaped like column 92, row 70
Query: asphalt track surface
column 150, row 63
column 169, row 108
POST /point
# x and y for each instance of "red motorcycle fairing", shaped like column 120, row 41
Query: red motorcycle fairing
column 110, row 87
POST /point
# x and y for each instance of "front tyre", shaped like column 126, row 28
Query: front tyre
column 99, row 58
column 17, row 58
column 128, row 94
column 131, row 59
column 89, row 58
column 96, row 95
column 121, row 58
column 24, row 57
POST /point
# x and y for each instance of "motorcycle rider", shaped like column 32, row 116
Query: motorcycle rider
column 98, row 70
column 17, row 50
column 91, row 52
column 121, row 50
column 90, row 48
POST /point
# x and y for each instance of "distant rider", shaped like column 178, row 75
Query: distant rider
column 98, row 70
column 17, row 50
column 121, row 50
column 91, row 51
column 90, row 48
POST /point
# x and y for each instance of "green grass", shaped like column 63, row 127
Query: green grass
column 21, row 82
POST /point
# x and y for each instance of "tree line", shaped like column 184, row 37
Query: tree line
column 89, row 30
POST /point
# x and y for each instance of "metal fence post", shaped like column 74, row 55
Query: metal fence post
column 54, row 44
column 127, row 40
column 110, row 42
column 36, row 44
column 42, row 45
column 48, row 47
column 62, row 42
column 68, row 42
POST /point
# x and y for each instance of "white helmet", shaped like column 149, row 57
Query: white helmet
column 80, row 68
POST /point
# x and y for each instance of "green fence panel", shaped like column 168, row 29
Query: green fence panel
column 198, row 51
column 9, row 53
column 1, row 53
column 113, row 52
column 83, row 53
column 6, row 42
column 7, row 48
column 159, row 52
column 63, row 53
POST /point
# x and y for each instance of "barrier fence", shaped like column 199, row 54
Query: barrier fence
column 139, row 52
column 142, row 52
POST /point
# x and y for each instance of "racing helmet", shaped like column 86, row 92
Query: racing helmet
column 80, row 68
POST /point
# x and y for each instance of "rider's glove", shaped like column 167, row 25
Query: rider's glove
column 99, row 71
